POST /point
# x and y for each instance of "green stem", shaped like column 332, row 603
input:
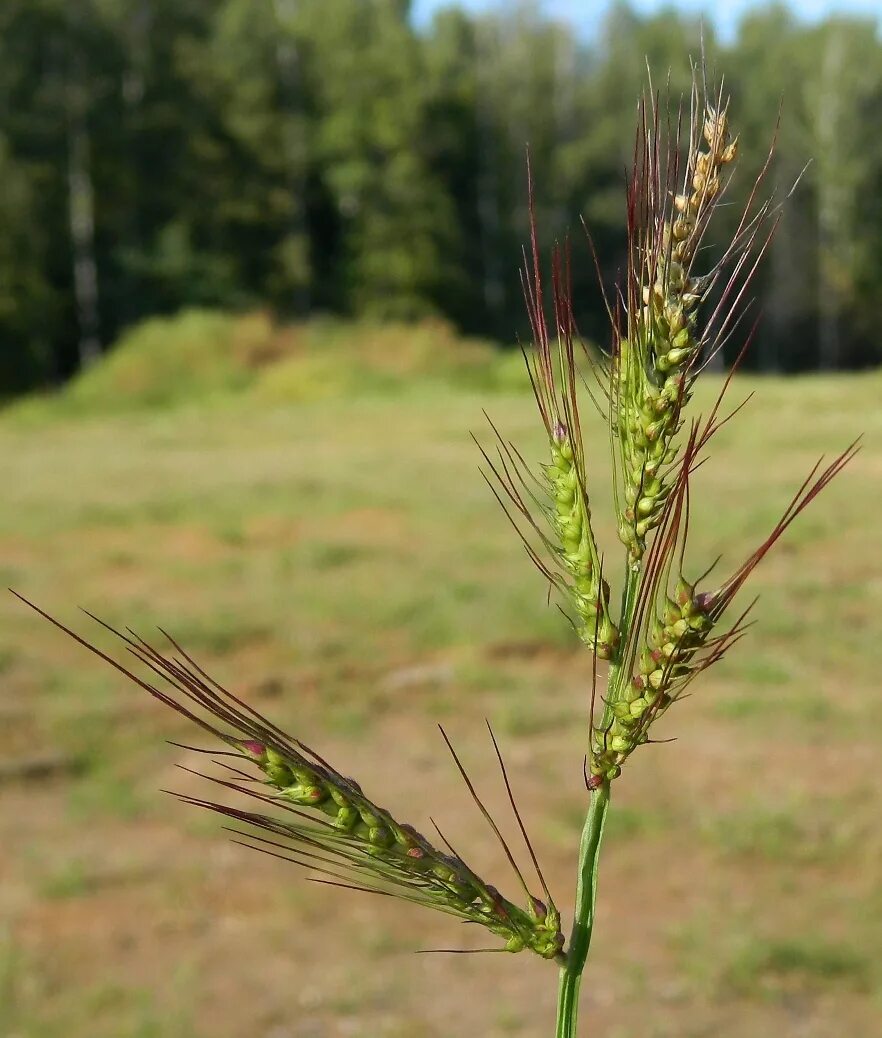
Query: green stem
column 589, row 851
column 583, row 924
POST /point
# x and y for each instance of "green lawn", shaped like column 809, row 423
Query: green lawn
column 343, row 564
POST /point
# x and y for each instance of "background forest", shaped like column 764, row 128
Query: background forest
column 331, row 158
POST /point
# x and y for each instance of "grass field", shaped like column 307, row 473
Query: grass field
column 342, row 564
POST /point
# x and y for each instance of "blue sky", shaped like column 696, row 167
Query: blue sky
column 586, row 14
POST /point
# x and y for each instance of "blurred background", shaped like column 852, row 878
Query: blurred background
column 258, row 279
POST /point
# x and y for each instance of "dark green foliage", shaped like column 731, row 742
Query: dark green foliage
column 321, row 156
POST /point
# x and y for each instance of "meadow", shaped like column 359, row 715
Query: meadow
column 335, row 556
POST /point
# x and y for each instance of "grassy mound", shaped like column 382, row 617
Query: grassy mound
column 345, row 359
column 199, row 355
column 196, row 353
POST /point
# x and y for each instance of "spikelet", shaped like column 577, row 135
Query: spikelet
column 662, row 337
column 678, row 631
column 667, row 632
column 322, row 820
column 661, row 342
column 553, row 503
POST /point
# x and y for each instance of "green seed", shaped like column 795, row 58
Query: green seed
column 308, row 795
column 657, row 678
column 380, row 836
column 347, row 818
column 279, row 774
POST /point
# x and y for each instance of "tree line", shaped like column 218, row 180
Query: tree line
column 318, row 156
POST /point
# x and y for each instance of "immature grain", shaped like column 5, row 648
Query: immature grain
column 662, row 337
column 324, row 821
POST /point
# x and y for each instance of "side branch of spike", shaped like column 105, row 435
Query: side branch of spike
column 320, row 819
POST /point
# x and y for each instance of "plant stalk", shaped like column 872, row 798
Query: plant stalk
column 583, row 924
column 589, row 855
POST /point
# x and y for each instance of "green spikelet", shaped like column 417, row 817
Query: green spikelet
column 323, row 821
column 554, row 503
column 587, row 590
column 654, row 362
column 360, row 843
column 666, row 664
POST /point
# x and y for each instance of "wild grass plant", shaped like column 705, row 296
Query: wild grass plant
column 670, row 619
